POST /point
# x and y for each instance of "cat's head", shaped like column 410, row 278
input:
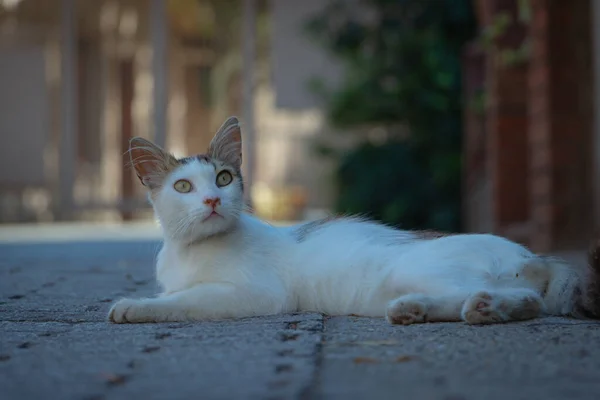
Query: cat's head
column 194, row 197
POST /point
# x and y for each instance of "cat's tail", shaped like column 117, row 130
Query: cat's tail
column 574, row 291
column 589, row 299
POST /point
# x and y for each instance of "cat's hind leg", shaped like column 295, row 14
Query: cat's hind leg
column 420, row 308
column 502, row 305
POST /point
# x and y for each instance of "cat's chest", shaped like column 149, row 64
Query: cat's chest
column 178, row 270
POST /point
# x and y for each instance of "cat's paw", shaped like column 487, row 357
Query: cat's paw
column 406, row 311
column 125, row 311
column 481, row 308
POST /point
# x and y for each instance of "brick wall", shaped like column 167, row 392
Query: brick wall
column 505, row 136
column 560, row 124
column 538, row 128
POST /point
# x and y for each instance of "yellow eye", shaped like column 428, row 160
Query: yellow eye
column 224, row 178
column 183, row 186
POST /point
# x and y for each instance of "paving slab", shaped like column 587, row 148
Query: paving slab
column 550, row 358
column 55, row 342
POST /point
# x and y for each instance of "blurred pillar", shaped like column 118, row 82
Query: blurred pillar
column 595, row 21
column 127, row 178
column 507, row 126
column 158, row 32
column 69, row 115
column 476, row 204
column 561, row 91
column 248, row 126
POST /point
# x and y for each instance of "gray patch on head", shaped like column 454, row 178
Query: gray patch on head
column 203, row 158
column 185, row 160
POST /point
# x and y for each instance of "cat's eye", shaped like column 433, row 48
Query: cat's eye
column 224, row 178
column 183, row 186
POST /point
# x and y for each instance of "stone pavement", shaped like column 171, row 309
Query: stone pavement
column 55, row 342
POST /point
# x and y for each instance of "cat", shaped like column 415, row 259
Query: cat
column 220, row 262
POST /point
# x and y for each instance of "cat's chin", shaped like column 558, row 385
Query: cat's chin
column 210, row 226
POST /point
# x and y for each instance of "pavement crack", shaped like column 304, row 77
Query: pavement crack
column 312, row 389
column 285, row 336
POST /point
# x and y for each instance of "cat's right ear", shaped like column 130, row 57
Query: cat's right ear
column 227, row 143
column 151, row 163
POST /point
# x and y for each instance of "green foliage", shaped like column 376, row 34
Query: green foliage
column 498, row 27
column 389, row 182
column 403, row 69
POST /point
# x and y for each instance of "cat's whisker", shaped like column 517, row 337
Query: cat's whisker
column 180, row 227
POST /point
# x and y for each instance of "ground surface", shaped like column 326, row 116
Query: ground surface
column 55, row 342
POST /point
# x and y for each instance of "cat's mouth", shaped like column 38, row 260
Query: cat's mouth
column 212, row 215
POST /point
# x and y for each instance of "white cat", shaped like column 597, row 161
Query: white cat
column 219, row 262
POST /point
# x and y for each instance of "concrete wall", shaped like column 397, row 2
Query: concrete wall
column 25, row 121
column 289, row 117
column 295, row 58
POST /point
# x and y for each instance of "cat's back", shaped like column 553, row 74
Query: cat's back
column 355, row 231
column 349, row 230
column 470, row 247
column 363, row 242
column 329, row 247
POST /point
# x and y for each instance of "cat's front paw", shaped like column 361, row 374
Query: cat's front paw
column 125, row 311
column 481, row 308
column 406, row 310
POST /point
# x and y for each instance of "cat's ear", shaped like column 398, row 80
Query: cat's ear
column 226, row 146
column 151, row 163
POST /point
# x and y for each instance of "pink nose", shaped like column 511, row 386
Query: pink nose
column 213, row 202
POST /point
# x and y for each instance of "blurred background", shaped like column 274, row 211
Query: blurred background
column 455, row 115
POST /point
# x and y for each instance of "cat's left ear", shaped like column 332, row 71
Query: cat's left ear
column 226, row 146
column 151, row 162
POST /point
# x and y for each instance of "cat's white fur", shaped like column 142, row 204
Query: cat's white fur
column 238, row 266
